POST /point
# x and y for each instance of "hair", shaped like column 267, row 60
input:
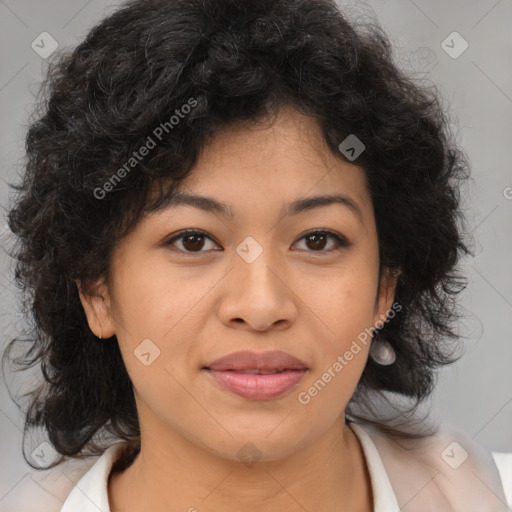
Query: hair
column 231, row 61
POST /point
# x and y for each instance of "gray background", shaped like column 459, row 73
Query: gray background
column 474, row 394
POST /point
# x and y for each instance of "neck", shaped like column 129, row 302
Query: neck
column 172, row 473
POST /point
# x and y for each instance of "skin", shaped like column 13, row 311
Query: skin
column 305, row 299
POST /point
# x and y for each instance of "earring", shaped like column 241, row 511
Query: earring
column 382, row 353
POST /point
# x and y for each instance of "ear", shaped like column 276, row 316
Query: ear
column 95, row 300
column 386, row 295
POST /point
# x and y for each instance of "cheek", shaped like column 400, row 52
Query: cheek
column 347, row 314
column 151, row 307
column 166, row 308
column 149, row 298
column 344, row 300
column 139, row 301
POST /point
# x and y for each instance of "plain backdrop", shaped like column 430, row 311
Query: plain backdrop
column 474, row 394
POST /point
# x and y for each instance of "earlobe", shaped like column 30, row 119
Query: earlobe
column 96, row 303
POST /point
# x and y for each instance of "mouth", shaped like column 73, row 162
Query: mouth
column 257, row 375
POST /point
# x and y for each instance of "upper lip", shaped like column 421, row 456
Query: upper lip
column 248, row 360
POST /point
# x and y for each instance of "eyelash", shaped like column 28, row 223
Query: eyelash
column 342, row 242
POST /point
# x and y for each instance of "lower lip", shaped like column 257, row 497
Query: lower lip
column 257, row 387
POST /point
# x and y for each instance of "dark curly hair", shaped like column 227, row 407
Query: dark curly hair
column 233, row 61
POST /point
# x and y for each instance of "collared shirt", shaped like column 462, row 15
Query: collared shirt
column 90, row 493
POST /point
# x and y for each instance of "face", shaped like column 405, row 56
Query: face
column 259, row 276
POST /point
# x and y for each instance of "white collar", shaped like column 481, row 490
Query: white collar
column 504, row 463
column 384, row 498
column 90, row 494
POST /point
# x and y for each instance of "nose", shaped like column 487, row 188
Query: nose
column 257, row 296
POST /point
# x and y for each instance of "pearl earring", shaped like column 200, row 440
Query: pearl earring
column 382, row 353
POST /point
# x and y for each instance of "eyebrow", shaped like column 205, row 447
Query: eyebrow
column 300, row 205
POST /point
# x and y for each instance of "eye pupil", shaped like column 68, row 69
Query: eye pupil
column 318, row 241
column 193, row 242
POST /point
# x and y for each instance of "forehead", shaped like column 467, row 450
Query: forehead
column 275, row 161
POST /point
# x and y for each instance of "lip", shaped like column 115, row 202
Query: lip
column 257, row 387
column 248, row 360
column 239, row 374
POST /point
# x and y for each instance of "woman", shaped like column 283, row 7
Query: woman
column 238, row 231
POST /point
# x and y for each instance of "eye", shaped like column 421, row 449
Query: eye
column 189, row 241
column 194, row 241
column 316, row 241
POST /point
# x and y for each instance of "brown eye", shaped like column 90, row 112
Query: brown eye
column 317, row 241
column 190, row 242
column 193, row 242
column 197, row 242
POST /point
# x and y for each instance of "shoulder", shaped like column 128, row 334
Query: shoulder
column 46, row 490
column 76, row 485
column 442, row 471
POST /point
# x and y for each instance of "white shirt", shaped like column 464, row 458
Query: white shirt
column 504, row 463
column 90, row 493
